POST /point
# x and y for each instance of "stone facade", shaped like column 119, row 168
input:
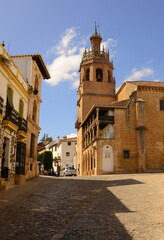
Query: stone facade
column 97, row 86
column 121, row 132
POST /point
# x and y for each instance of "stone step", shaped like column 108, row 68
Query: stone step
column 5, row 185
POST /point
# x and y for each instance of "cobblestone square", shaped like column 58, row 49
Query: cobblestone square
column 125, row 206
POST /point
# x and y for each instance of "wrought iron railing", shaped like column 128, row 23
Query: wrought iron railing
column 11, row 114
column 1, row 105
column 106, row 118
column 22, row 124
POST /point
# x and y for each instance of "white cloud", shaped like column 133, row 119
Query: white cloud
column 110, row 44
column 157, row 80
column 67, row 57
column 65, row 46
column 64, row 68
column 72, row 135
column 140, row 74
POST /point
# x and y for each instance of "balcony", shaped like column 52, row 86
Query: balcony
column 22, row 124
column 11, row 118
column 1, row 105
column 22, row 129
column 106, row 118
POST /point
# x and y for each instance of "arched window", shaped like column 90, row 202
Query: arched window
column 21, row 105
column 88, row 74
column 36, row 85
column 32, row 146
column 99, row 75
column 161, row 104
column 109, row 76
column 34, row 113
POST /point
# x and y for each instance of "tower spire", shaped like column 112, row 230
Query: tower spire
column 95, row 28
column 95, row 41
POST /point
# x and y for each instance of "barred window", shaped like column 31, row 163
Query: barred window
column 126, row 154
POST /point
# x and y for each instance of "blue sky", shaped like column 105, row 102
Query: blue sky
column 133, row 30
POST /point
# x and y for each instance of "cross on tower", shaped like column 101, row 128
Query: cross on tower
column 96, row 26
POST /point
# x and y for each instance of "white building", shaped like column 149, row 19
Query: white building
column 13, row 120
column 34, row 70
column 63, row 151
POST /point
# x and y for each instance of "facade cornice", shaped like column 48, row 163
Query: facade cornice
column 99, row 94
column 90, row 61
column 151, row 88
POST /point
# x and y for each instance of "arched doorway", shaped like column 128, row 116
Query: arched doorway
column 107, row 158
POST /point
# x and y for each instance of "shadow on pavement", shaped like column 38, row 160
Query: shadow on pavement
column 55, row 208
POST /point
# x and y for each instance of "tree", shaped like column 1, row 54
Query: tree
column 46, row 138
column 47, row 160
column 40, row 157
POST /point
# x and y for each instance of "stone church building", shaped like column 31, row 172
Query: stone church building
column 117, row 132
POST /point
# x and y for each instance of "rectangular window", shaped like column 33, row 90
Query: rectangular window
column 10, row 97
column 32, row 146
column 21, row 108
column 126, row 154
column 162, row 105
column 69, row 143
column 67, row 154
column 30, row 166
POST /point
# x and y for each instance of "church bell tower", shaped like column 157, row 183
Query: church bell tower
column 96, row 86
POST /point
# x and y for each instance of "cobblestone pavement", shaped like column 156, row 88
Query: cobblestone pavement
column 116, row 207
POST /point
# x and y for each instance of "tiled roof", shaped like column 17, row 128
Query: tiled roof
column 119, row 104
